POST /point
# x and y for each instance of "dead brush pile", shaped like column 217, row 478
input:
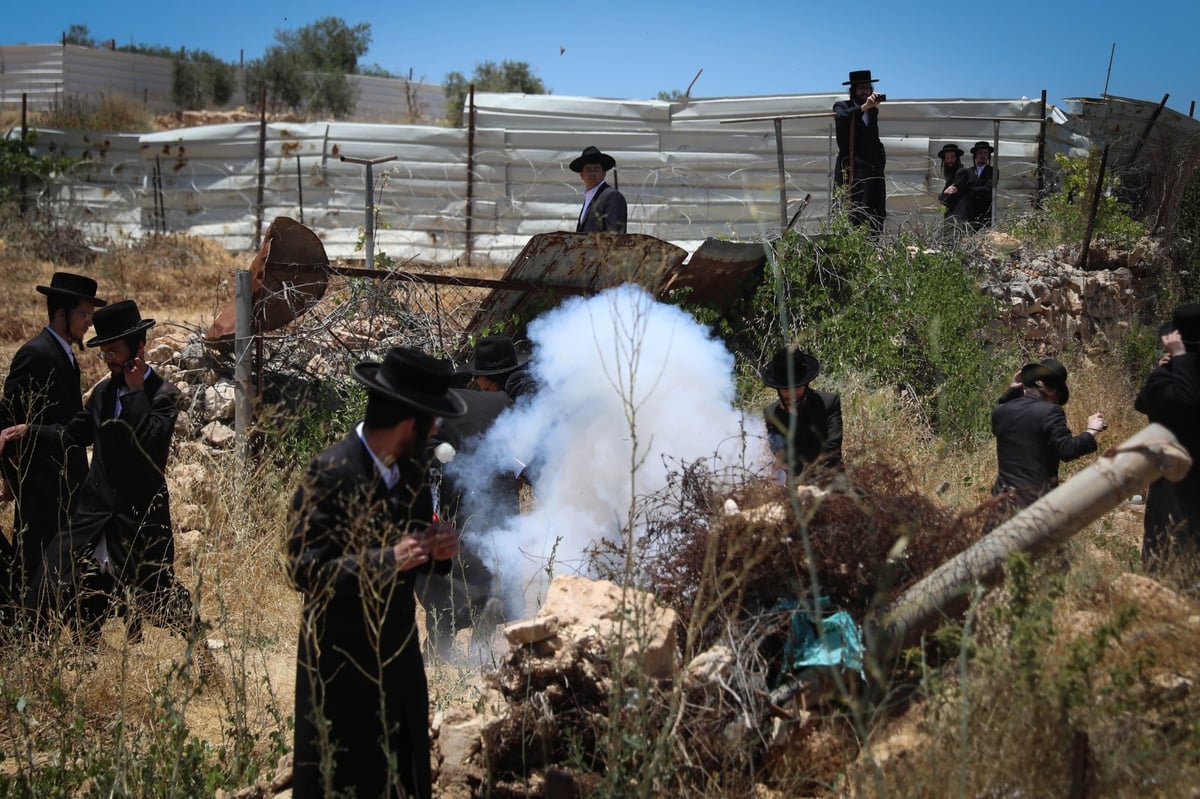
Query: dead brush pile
column 856, row 543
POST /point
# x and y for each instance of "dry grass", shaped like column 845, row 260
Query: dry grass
column 1039, row 672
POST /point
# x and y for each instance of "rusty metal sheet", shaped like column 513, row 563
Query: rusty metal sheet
column 576, row 263
column 717, row 271
column 288, row 276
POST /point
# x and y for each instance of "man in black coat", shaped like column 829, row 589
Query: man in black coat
column 604, row 209
column 861, row 158
column 43, row 387
column 362, row 529
column 1171, row 397
column 474, row 503
column 974, row 186
column 1032, row 436
column 804, row 426
column 119, row 542
column 951, row 157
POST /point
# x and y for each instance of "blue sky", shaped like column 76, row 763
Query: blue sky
column 753, row 47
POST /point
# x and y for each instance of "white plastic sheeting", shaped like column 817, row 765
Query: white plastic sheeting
column 686, row 173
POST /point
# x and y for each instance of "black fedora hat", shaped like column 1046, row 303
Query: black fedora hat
column 950, row 148
column 804, row 368
column 412, row 378
column 592, row 155
column 494, row 355
column 1047, row 374
column 65, row 284
column 1186, row 319
column 859, row 76
column 982, row 145
column 116, row 321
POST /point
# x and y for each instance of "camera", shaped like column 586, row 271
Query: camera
column 881, row 97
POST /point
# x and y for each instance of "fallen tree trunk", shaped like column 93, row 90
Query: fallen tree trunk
column 1122, row 470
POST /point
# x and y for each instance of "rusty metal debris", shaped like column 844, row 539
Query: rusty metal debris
column 289, row 275
column 718, row 269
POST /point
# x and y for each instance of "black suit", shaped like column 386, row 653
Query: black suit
column 975, row 196
column 454, row 601
column 42, row 387
column 124, row 499
column 1171, row 397
column 359, row 653
column 818, row 434
column 868, row 191
column 1032, row 438
column 607, row 212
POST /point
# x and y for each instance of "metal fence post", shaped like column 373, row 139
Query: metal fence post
column 243, row 405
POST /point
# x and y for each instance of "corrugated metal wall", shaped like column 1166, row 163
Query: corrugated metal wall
column 686, row 173
column 49, row 73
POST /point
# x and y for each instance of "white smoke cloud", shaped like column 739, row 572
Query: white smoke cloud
column 629, row 389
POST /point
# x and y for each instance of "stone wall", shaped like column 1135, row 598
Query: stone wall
column 1059, row 308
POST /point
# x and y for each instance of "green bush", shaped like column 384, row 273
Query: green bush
column 17, row 160
column 905, row 315
column 1064, row 215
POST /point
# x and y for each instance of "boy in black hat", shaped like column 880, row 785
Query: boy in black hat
column 363, row 527
column 1032, row 436
column 861, row 158
column 804, row 426
column 119, row 543
column 604, row 209
column 1171, row 397
column 43, row 387
column 975, row 184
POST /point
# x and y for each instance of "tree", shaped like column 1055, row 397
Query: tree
column 80, row 35
column 306, row 70
column 329, row 45
column 507, row 76
column 199, row 77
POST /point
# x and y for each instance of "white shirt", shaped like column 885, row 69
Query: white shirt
column 390, row 474
column 66, row 345
column 587, row 199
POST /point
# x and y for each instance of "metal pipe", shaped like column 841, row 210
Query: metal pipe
column 783, row 217
column 470, row 172
column 300, row 188
column 1146, row 133
column 995, row 168
column 1122, row 470
column 1041, row 156
column 369, row 224
column 1091, row 222
column 262, row 167
column 243, row 295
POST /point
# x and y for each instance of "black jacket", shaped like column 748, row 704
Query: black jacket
column 42, row 387
column 1171, row 397
column 1032, row 438
column 975, row 195
column 358, row 654
column 608, row 212
column 869, row 156
column 124, row 496
column 818, row 434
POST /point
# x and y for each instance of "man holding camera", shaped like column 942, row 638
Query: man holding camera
column 861, row 158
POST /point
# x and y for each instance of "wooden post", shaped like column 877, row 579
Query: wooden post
column 1122, row 470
